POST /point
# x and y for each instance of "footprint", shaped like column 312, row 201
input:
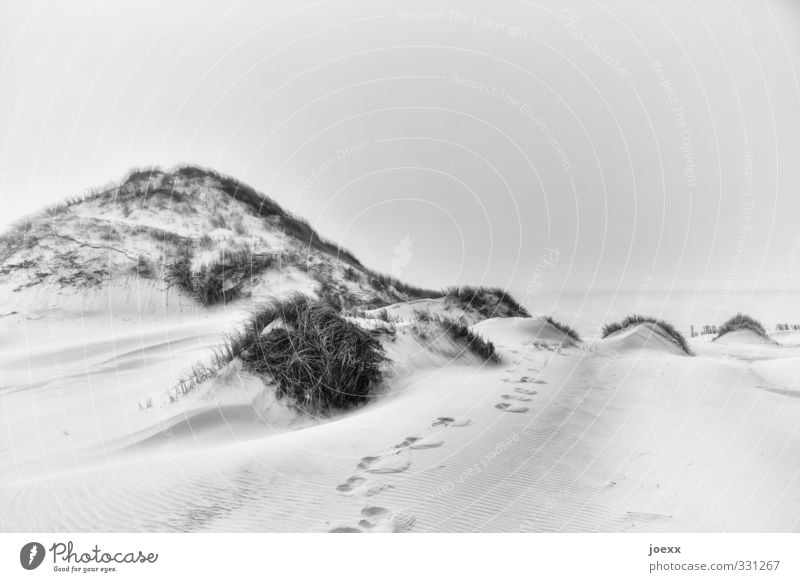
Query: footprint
column 396, row 463
column 350, row 484
column 450, row 421
column 539, row 382
column 346, row 529
column 443, row 421
column 508, row 397
column 524, row 379
column 408, row 441
column 507, row 407
column 366, row 462
column 395, row 522
column 359, row 486
column 528, row 391
column 524, row 399
column 374, row 511
column 427, row 443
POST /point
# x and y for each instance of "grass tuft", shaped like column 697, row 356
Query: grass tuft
column 565, row 329
column 488, row 301
column 319, row 360
column 219, row 281
column 479, row 346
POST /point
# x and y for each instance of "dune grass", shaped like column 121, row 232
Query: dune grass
column 479, row 346
column 460, row 333
column 218, row 281
column 488, row 301
column 741, row 321
column 673, row 334
column 565, row 329
column 319, row 360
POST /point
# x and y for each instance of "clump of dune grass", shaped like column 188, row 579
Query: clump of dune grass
column 673, row 334
column 741, row 321
column 318, row 360
column 565, row 329
column 488, row 301
column 460, row 332
column 218, row 281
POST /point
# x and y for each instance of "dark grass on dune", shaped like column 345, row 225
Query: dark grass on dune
column 565, row 329
column 488, row 301
column 673, row 334
column 460, row 333
column 473, row 342
column 218, row 281
column 741, row 321
column 319, row 360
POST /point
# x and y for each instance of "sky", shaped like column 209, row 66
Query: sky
column 555, row 149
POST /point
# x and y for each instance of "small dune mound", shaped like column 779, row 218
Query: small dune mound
column 433, row 325
column 637, row 332
column 743, row 337
column 743, row 329
column 527, row 330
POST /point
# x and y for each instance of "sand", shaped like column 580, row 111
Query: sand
column 621, row 434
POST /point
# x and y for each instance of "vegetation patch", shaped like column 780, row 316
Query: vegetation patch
column 741, row 321
column 479, row 346
column 488, row 301
column 218, row 281
column 458, row 330
column 673, row 334
column 565, row 329
column 319, row 360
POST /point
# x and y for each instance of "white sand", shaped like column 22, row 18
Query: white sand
column 612, row 435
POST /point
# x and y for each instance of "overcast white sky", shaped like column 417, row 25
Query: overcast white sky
column 652, row 143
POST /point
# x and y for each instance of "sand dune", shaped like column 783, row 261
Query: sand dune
column 621, row 434
column 643, row 336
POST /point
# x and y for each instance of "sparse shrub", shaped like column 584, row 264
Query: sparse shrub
column 564, row 328
column 673, row 334
column 206, row 242
column 218, row 281
column 179, row 271
column 424, row 315
column 741, row 321
column 351, row 274
column 334, row 294
column 472, row 341
column 319, row 360
column 144, row 268
column 217, row 221
column 488, row 301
